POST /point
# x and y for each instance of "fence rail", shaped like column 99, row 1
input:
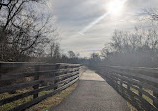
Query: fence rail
column 37, row 77
column 137, row 85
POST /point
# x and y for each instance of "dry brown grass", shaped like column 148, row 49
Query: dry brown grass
column 42, row 106
column 131, row 107
column 52, row 101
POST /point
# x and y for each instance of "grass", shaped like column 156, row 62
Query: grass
column 134, row 90
column 42, row 106
column 143, row 96
column 147, row 99
column 13, row 104
column 131, row 107
column 52, row 101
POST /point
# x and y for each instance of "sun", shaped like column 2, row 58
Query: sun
column 115, row 7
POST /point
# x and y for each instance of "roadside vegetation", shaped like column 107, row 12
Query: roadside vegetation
column 28, row 34
column 137, row 47
column 131, row 107
column 54, row 100
column 42, row 106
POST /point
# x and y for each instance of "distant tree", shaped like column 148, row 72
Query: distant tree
column 94, row 59
column 71, row 54
column 54, row 53
column 137, row 48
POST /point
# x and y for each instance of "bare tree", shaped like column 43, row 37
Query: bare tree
column 137, row 48
column 23, row 31
column 71, row 54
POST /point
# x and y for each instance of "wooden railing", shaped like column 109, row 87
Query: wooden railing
column 36, row 77
column 137, row 85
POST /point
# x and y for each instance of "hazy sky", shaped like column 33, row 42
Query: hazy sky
column 74, row 15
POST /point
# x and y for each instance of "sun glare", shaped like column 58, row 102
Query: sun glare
column 115, row 7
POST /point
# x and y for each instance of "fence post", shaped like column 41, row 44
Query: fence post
column 121, row 83
column 140, row 93
column 154, row 101
column 128, row 87
column 1, row 70
column 66, row 68
column 56, row 74
column 79, row 67
column 36, row 77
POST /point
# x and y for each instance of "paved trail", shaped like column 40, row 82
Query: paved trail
column 92, row 94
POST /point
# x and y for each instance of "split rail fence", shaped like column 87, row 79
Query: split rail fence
column 36, row 77
column 137, row 85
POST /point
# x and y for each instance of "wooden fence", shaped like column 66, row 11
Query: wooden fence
column 35, row 76
column 139, row 86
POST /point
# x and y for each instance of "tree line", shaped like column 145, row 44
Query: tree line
column 23, row 31
column 137, row 48
column 28, row 33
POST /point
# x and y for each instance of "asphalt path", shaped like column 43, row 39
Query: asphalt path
column 93, row 93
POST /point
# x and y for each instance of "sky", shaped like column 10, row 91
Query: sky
column 73, row 16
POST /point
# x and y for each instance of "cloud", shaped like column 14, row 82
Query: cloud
column 74, row 15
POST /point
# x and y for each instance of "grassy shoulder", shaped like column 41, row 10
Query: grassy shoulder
column 132, row 108
column 43, row 105
column 53, row 101
column 13, row 104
